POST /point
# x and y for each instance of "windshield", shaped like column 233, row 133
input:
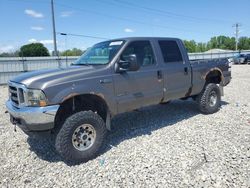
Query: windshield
column 100, row 54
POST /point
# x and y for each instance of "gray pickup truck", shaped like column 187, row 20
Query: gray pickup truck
column 77, row 103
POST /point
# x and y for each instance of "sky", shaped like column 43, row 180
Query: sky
column 27, row 21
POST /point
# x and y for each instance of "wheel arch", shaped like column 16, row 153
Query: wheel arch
column 214, row 75
column 76, row 102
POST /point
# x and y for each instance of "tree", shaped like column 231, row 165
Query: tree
column 9, row 54
column 222, row 42
column 244, row 43
column 201, row 47
column 230, row 43
column 73, row 52
column 190, row 45
column 33, row 50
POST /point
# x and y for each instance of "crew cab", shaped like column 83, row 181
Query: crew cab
column 77, row 103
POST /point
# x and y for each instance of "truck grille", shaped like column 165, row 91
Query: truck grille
column 13, row 95
column 16, row 95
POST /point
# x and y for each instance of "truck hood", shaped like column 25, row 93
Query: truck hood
column 42, row 78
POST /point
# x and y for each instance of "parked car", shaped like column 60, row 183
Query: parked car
column 112, row 77
column 239, row 59
column 247, row 58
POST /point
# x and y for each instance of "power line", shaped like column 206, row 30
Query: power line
column 79, row 35
column 128, row 19
column 160, row 11
column 121, row 18
column 148, row 9
column 237, row 26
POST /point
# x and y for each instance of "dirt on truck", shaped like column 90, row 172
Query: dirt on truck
column 76, row 104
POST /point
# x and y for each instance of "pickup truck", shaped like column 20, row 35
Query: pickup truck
column 77, row 103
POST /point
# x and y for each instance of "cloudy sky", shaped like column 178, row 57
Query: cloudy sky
column 26, row 21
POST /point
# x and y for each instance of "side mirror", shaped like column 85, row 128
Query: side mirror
column 130, row 64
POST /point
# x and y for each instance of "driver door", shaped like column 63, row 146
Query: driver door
column 135, row 89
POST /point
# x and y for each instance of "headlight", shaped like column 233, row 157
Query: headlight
column 35, row 97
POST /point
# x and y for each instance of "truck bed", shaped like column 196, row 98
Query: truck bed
column 201, row 67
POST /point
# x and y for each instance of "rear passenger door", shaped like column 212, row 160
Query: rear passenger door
column 177, row 72
column 135, row 89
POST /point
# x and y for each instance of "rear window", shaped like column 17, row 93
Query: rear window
column 170, row 51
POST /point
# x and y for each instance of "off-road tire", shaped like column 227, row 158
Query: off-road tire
column 203, row 99
column 63, row 142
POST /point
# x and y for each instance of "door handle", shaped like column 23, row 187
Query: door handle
column 105, row 81
column 159, row 74
column 185, row 70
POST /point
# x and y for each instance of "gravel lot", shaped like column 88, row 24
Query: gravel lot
column 170, row 145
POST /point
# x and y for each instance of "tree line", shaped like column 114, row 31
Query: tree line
column 220, row 42
column 39, row 50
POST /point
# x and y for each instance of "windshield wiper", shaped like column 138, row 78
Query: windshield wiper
column 86, row 63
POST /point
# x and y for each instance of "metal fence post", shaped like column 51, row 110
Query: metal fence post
column 25, row 66
column 59, row 61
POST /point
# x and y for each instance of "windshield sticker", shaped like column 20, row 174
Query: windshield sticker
column 115, row 43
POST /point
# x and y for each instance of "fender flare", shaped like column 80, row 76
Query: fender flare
column 215, row 69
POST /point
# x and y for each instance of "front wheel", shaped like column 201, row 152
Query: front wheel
column 209, row 100
column 81, row 137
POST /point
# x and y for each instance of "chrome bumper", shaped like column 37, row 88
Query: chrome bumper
column 32, row 118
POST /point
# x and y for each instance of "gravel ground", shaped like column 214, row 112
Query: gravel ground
column 169, row 145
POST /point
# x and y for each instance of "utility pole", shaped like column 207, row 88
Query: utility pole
column 237, row 25
column 66, row 39
column 54, row 32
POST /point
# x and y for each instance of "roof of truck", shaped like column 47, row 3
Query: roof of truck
column 144, row 38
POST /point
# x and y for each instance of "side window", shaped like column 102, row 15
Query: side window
column 143, row 51
column 170, row 51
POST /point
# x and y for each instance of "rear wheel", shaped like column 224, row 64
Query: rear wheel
column 209, row 100
column 81, row 137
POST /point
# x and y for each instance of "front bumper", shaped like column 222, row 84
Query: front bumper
column 32, row 118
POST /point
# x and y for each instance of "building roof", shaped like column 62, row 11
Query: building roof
column 217, row 50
